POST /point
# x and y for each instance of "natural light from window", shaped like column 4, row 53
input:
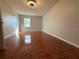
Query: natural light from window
column 27, row 39
column 27, row 22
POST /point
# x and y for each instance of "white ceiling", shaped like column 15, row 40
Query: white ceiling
column 21, row 7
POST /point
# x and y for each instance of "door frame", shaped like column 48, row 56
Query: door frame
column 1, row 33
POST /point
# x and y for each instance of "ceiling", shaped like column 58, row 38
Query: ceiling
column 21, row 7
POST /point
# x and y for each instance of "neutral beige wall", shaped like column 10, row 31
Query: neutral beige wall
column 36, row 23
column 10, row 19
column 62, row 20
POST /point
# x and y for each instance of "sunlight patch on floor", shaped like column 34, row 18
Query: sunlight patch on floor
column 28, row 39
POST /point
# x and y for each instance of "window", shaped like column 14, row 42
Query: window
column 27, row 22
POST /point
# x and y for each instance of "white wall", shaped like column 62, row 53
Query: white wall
column 62, row 20
column 36, row 23
column 9, row 18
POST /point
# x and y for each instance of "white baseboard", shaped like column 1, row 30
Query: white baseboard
column 32, row 30
column 63, row 39
column 5, row 37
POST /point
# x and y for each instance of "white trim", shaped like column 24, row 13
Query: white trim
column 5, row 37
column 31, row 30
column 63, row 39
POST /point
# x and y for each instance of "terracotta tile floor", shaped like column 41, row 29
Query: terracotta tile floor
column 37, row 45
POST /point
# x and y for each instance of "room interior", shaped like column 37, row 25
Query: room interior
column 39, row 29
